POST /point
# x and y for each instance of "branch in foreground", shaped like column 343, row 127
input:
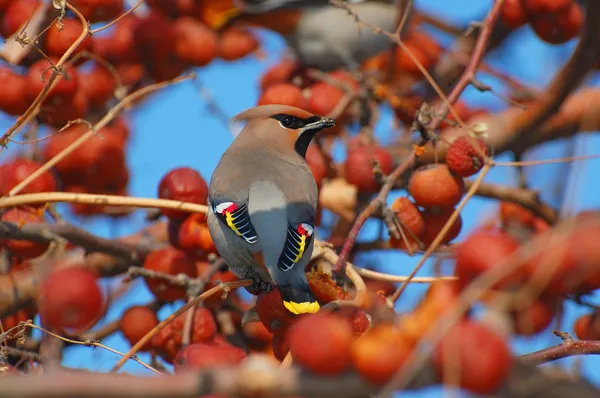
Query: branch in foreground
column 568, row 348
column 77, row 236
column 259, row 378
column 17, row 289
column 101, row 200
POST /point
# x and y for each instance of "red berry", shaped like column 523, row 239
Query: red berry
column 434, row 185
column 136, row 322
column 534, row 318
column 18, row 170
column 512, row 212
column 23, row 248
column 411, row 221
column 332, row 335
column 189, row 33
column 283, row 94
column 587, row 327
column 514, row 14
column 99, row 10
column 57, row 41
column 170, row 261
column 184, row 184
column 70, row 298
column 466, row 156
column 236, row 43
column 38, row 75
column 169, row 339
column 380, row 353
column 16, row 14
column 13, row 96
column 358, row 167
column 98, row 84
column 324, row 98
column 482, row 251
column 435, row 219
column 279, row 73
column 154, row 37
column 546, row 6
column 207, row 355
column 482, row 359
column 272, row 313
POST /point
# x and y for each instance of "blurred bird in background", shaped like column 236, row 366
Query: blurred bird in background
column 321, row 35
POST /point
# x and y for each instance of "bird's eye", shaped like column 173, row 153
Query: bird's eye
column 288, row 122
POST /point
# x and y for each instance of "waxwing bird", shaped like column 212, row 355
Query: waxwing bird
column 321, row 35
column 263, row 199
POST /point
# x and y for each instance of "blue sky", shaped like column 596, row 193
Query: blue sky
column 174, row 129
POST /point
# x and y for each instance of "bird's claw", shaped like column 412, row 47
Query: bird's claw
column 258, row 283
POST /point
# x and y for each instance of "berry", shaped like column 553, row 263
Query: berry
column 38, row 75
column 380, row 353
column 465, row 156
column 13, row 96
column 332, row 335
column 16, row 171
column 98, row 85
column 358, row 167
column 435, row 185
column 279, row 73
column 482, row 359
column 546, row 6
column 170, row 261
column 169, row 339
column 57, row 41
column 514, row 14
column 534, row 318
column 70, row 298
column 482, row 251
column 324, row 98
column 21, row 248
column 236, row 43
column 435, row 219
column 207, row 355
column 136, row 322
column 411, row 220
column 587, row 327
column 283, row 94
column 184, row 184
column 272, row 313
column 195, row 42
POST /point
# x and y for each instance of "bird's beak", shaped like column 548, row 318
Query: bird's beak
column 322, row 123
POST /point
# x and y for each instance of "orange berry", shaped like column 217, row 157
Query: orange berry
column 434, row 185
column 321, row 343
column 380, row 353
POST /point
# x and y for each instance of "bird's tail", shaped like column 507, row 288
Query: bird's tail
column 298, row 299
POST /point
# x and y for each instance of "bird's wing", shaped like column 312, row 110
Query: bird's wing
column 299, row 237
column 237, row 218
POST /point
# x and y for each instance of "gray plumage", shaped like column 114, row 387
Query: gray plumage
column 265, row 177
column 328, row 38
column 263, row 171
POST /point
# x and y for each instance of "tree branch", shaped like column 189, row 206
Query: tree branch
column 77, row 236
column 568, row 348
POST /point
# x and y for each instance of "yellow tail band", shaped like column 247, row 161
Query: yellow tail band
column 302, row 308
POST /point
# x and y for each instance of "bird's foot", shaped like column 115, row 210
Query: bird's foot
column 258, row 283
